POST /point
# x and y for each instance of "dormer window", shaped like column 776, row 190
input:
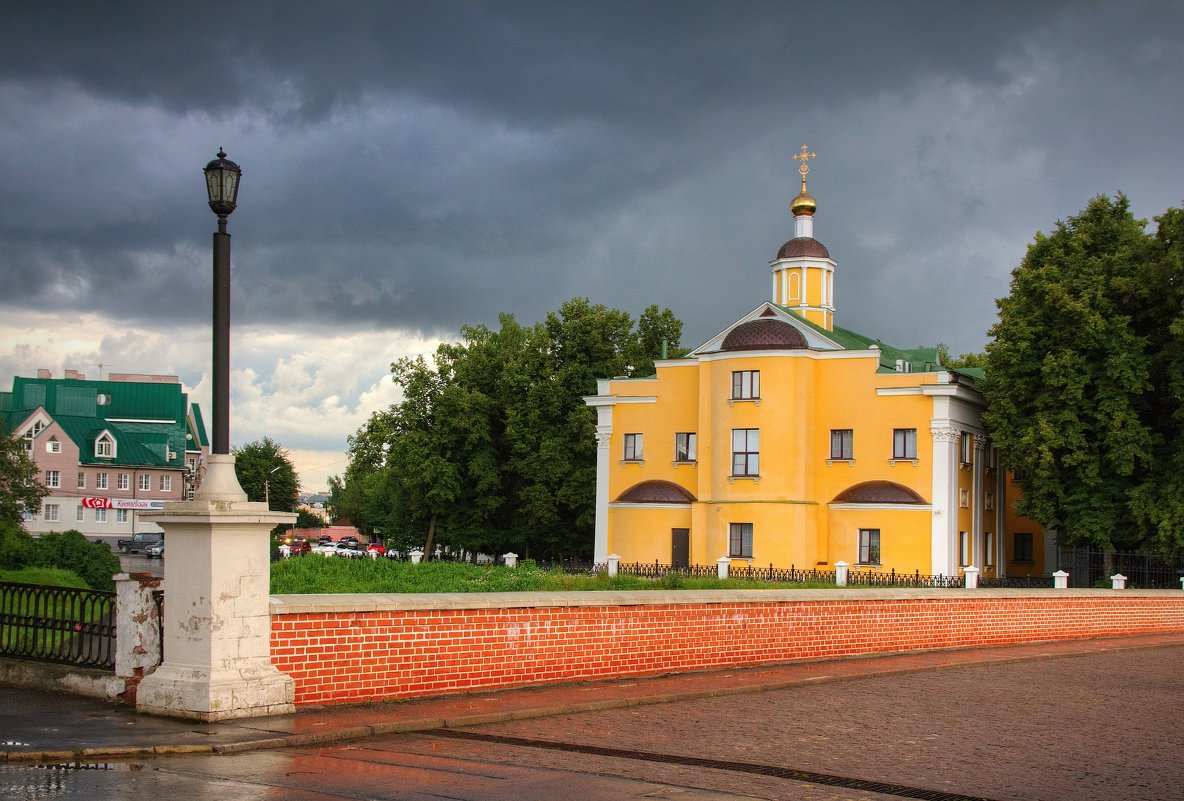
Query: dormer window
column 53, row 446
column 105, row 446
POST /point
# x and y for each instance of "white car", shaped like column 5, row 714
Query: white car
column 338, row 549
column 155, row 551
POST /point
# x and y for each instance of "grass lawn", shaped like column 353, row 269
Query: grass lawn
column 317, row 574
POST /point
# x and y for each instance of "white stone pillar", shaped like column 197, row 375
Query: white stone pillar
column 945, row 499
column 510, row 559
column 722, row 566
column 217, row 619
column 970, row 573
column 604, row 435
column 1118, row 582
column 1060, row 580
column 841, row 573
column 137, row 624
column 416, row 556
column 979, row 545
column 614, row 564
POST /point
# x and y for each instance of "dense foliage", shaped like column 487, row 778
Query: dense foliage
column 492, row 448
column 93, row 562
column 1085, row 378
column 265, row 472
column 20, row 481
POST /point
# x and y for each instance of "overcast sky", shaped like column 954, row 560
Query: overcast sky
column 409, row 168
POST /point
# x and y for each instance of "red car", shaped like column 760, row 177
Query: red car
column 376, row 547
column 300, row 547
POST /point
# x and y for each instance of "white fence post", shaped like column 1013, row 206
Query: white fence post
column 285, row 551
column 1060, row 580
column 841, row 573
column 1118, row 582
column 416, row 556
column 614, row 562
column 722, row 566
column 971, row 574
column 511, row 560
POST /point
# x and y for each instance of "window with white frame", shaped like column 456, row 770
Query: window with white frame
column 30, row 435
column 166, row 483
column 904, row 443
column 53, row 479
column 144, row 481
column 740, row 540
column 869, row 546
column 123, row 481
column 967, row 448
column 82, row 481
column 746, row 384
column 51, row 512
column 988, row 549
column 100, row 515
column 80, row 514
column 685, row 447
column 633, row 448
column 53, row 446
column 964, row 548
column 746, row 452
column 101, row 481
column 842, row 443
column 121, row 515
column 104, row 446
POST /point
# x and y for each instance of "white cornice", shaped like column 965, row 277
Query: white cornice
column 613, row 400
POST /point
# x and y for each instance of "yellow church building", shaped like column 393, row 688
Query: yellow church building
column 788, row 440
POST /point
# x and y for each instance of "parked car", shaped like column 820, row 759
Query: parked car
column 348, row 550
column 139, row 542
column 155, row 550
column 325, row 539
column 350, row 538
column 300, row 547
column 376, row 547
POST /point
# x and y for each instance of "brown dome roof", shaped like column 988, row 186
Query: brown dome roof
column 656, row 492
column 803, row 246
column 764, row 335
column 878, row 492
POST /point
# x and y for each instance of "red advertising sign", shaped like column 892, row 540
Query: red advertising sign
column 122, row 503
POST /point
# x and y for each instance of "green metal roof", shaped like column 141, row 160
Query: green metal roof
column 921, row 360
column 147, row 420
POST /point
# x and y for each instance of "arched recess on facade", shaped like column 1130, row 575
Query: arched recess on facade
column 656, row 491
column 795, row 287
column 879, row 492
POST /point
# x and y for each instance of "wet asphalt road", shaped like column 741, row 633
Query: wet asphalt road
column 1105, row 725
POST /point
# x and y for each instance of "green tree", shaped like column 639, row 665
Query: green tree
column 21, row 489
column 1068, row 376
column 965, row 360
column 265, row 473
column 492, row 447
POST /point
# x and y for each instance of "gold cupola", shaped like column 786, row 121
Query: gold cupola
column 803, row 204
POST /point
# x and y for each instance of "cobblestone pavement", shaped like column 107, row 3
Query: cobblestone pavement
column 1101, row 726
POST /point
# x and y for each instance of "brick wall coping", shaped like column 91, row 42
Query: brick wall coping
column 381, row 602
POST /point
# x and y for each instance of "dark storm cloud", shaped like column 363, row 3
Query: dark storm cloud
column 429, row 165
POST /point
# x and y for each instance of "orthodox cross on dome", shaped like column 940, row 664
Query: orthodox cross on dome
column 804, row 157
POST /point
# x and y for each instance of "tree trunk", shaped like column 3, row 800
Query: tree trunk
column 427, row 549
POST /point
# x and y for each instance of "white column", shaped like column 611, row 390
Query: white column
column 945, row 499
column 217, row 617
column 604, row 432
column 978, row 553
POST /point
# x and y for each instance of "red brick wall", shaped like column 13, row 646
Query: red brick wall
column 395, row 650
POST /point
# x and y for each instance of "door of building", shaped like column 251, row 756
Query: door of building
column 680, row 547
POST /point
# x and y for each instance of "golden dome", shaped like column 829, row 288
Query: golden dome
column 803, row 203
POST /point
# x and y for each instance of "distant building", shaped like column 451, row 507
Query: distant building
column 107, row 450
column 787, row 440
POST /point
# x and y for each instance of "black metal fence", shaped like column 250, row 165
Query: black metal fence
column 1148, row 571
column 58, row 624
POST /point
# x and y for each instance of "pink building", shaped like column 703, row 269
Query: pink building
column 106, row 449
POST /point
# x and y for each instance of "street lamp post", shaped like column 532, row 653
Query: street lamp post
column 222, row 182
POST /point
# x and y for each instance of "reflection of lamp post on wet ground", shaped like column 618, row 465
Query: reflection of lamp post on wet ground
column 216, row 623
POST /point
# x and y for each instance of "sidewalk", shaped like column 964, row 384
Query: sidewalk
column 45, row 727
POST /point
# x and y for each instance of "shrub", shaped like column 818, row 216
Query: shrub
column 93, row 562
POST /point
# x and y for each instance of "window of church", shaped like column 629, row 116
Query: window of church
column 746, row 384
column 746, row 446
column 904, row 443
column 842, row 443
column 740, row 540
column 685, row 447
column 633, row 447
column 869, row 546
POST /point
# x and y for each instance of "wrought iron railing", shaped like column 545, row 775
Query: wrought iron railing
column 58, row 624
column 1088, row 568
